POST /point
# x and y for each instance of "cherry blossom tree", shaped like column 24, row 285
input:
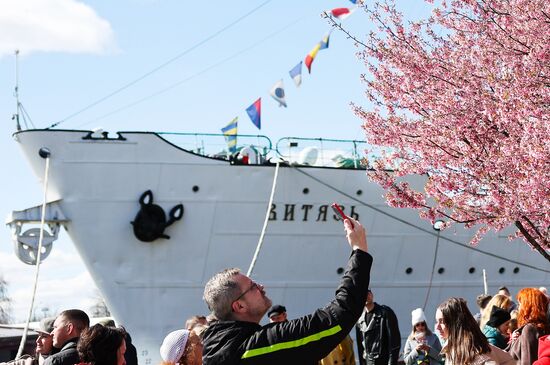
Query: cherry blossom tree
column 462, row 97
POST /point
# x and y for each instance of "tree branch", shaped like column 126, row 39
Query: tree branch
column 535, row 229
column 532, row 241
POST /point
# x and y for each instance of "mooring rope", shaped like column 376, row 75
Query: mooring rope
column 266, row 220
column 38, row 256
column 433, row 271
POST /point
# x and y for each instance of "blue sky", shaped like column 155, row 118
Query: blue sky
column 74, row 53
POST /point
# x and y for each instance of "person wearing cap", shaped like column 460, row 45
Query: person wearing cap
column 67, row 328
column 378, row 336
column 496, row 327
column 239, row 304
column 277, row 313
column 422, row 346
column 44, row 341
column 44, row 345
column 183, row 347
column 499, row 300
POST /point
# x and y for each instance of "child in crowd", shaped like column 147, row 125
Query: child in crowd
column 496, row 327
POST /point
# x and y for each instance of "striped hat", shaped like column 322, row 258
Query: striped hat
column 173, row 346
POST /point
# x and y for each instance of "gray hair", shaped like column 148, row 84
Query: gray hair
column 220, row 292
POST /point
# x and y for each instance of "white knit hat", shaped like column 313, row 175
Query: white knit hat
column 173, row 345
column 418, row 316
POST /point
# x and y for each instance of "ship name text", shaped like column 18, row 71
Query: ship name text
column 307, row 212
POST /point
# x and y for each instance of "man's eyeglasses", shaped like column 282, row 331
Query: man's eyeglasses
column 253, row 286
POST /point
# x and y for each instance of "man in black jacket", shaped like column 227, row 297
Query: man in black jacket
column 239, row 304
column 66, row 330
column 377, row 333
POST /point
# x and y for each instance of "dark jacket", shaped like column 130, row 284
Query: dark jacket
column 305, row 340
column 66, row 356
column 131, row 352
column 380, row 340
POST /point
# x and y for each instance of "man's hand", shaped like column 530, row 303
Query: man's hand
column 357, row 236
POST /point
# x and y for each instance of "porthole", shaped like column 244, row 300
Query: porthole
column 501, row 270
column 305, row 191
column 195, row 188
column 409, row 270
column 441, row 270
column 516, row 270
column 472, row 270
column 340, row 270
column 359, row 192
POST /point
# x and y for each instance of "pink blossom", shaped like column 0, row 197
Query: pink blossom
column 468, row 107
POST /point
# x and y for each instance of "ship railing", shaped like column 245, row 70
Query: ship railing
column 300, row 151
column 215, row 145
column 324, row 152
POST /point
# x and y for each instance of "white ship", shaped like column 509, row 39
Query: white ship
column 152, row 285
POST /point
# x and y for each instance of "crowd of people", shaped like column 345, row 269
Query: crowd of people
column 503, row 332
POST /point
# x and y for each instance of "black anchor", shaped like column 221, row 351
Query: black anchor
column 150, row 221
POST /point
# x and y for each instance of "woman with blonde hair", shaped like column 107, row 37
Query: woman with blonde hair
column 499, row 300
column 466, row 344
column 532, row 322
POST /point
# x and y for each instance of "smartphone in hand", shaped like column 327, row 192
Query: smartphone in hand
column 340, row 213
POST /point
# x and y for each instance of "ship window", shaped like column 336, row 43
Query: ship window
column 472, row 270
column 516, row 270
column 441, row 270
column 195, row 188
column 501, row 270
column 305, row 191
column 409, row 270
column 359, row 192
column 340, row 270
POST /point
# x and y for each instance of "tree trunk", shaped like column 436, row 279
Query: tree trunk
column 532, row 241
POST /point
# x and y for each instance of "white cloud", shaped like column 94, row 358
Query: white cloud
column 52, row 25
column 71, row 287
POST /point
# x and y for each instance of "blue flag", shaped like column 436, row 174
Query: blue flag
column 296, row 74
column 324, row 41
column 254, row 111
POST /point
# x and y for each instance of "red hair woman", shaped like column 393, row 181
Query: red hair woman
column 533, row 323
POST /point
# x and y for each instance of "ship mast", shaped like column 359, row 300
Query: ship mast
column 18, row 107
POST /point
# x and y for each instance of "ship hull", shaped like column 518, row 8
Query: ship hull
column 152, row 287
